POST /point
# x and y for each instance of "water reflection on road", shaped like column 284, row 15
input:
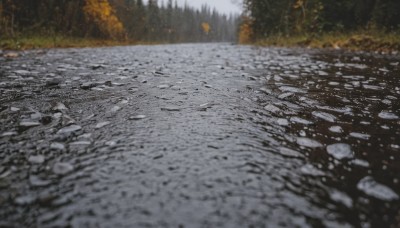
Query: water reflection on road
column 341, row 110
column 199, row 135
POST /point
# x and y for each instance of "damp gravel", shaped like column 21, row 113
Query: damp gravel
column 199, row 135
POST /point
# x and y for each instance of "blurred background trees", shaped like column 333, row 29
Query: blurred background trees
column 313, row 17
column 131, row 20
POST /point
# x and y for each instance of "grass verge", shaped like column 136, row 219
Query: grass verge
column 34, row 42
column 357, row 41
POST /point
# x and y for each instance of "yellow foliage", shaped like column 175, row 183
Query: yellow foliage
column 206, row 27
column 245, row 32
column 102, row 14
column 298, row 4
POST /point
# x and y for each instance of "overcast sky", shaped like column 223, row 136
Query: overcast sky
column 223, row 6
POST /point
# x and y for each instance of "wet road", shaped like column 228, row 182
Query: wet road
column 199, row 135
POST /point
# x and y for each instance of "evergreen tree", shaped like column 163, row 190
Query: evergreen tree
column 114, row 19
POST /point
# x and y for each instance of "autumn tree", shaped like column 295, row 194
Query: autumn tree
column 245, row 31
column 206, row 27
column 103, row 17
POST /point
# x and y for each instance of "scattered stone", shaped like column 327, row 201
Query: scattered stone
column 111, row 143
column 36, row 116
column 388, row 116
column 14, row 109
column 117, row 84
column 85, row 136
column 163, row 97
column 374, row 189
column 299, row 120
column 158, row 156
column 171, row 109
column 53, row 82
column 163, row 86
column 291, row 89
column 24, row 200
column 282, row 122
column 361, row 163
column 36, row 181
column 387, row 102
column 69, row 129
column 265, row 90
column 360, row 135
column 306, row 142
column 57, row 115
column 123, row 102
column 286, row 95
column 342, row 198
column 372, row 87
column 272, row 108
column 395, row 146
column 88, row 85
column 11, row 55
column 137, row 117
column 22, row 72
column 59, row 107
column 89, row 117
column 202, row 109
column 29, row 124
column 9, row 133
column 344, row 110
column 336, row 129
column 158, row 73
column 208, row 105
column 322, row 73
column 80, row 144
column 115, row 109
column 325, row 116
column 36, row 159
column 311, row 170
column 289, row 152
column 340, row 151
column 57, row 146
column 62, row 168
column 67, row 120
column 102, row 124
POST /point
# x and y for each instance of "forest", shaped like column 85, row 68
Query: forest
column 283, row 22
column 313, row 18
column 122, row 20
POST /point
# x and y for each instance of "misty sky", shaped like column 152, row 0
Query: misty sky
column 223, row 6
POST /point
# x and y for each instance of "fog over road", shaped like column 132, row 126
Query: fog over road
column 199, row 135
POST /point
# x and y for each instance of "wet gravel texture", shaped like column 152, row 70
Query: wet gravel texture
column 199, row 135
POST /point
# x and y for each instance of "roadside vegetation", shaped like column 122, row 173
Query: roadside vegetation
column 369, row 25
column 24, row 42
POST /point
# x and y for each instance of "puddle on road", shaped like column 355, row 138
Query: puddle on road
column 179, row 129
column 348, row 126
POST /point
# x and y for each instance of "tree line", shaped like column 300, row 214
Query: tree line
column 292, row 17
column 131, row 20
